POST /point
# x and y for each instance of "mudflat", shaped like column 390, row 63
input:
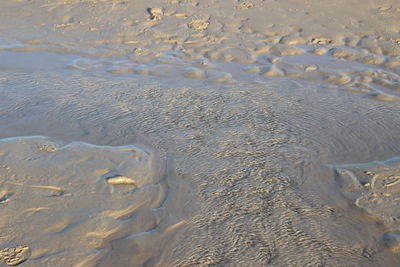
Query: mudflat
column 199, row 133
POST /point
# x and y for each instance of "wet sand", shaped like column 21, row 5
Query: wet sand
column 212, row 133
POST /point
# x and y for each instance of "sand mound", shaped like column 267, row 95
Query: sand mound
column 140, row 38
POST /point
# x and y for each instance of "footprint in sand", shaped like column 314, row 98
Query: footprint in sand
column 245, row 5
column 198, row 24
column 14, row 256
column 155, row 13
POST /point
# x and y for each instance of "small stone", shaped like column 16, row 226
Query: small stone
column 119, row 179
column 310, row 68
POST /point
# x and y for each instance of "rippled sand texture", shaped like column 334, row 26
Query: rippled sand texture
column 229, row 143
column 69, row 202
column 199, row 133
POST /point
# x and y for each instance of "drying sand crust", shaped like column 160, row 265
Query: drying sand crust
column 199, row 133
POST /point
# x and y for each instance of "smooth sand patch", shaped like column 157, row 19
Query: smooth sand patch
column 71, row 200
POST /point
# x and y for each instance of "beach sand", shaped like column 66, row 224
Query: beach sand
column 199, row 133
